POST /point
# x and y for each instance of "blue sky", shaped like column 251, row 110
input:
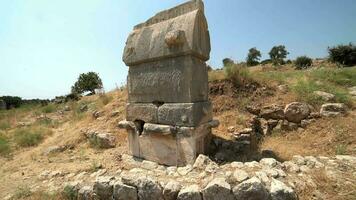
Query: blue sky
column 46, row 44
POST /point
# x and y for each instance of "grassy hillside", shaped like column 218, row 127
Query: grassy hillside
column 26, row 133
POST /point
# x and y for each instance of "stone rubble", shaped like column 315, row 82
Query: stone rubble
column 294, row 116
column 266, row 179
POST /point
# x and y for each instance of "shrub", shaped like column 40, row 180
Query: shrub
column 303, row 62
column 11, row 101
column 253, row 57
column 341, row 149
column 343, row 54
column 267, row 61
column 4, row 146
column 27, row 137
column 70, row 192
column 50, row 108
column 278, row 54
column 87, row 83
column 22, row 192
column 227, row 62
column 238, row 74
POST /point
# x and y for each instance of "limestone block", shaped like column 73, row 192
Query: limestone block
column 179, row 80
column 133, row 142
column 139, row 111
column 182, row 30
column 149, row 128
column 185, row 114
column 169, row 146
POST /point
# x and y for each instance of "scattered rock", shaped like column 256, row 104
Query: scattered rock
column 279, row 191
column 231, row 129
column 262, row 176
column 270, row 162
column 201, row 162
column 352, row 91
column 149, row 189
column 96, row 114
column 239, row 176
column 251, row 189
column 314, row 115
column 253, row 110
column 104, row 140
column 299, row 160
column 191, row 192
column 184, row 170
column 124, row 192
column 332, row 109
column 85, row 193
column 306, row 122
column 289, row 126
column 296, row 111
column 283, row 88
column 252, row 164
column 272, row 112
column 291, row 167
column 171, row 190
column 324, row 95
column 217, row 189
column 103, row 188
column 350, row 159
column 54, row 149
column 236, row 164
column 149, row 165
column 67, row 108
column 244, row 131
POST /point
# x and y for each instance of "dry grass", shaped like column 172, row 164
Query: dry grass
column 322, row 138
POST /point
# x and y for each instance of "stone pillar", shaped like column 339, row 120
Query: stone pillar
column 168, row 115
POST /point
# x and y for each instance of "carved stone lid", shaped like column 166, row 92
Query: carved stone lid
column 179, row 31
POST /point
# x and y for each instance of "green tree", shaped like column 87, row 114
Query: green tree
column 343, row 54
column 278, row 54
column 253, row 57
column 87, row 82
column 227, row 62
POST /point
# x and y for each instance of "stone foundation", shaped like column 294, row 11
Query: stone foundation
column 168, row 145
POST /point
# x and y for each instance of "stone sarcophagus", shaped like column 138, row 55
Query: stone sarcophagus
column 168, row 115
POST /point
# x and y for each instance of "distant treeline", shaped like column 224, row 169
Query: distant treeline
column 15, row 102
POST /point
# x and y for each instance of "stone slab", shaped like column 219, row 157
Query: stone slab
column 185, row 114
column 145, row 112
column 179, row 80
column 182, row 30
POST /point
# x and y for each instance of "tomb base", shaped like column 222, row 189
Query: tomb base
column 168, row 145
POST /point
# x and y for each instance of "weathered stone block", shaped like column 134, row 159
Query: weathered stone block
column 138, row 111
column 179, row 80
column 185, row 114
column 170, row 146
column 182, row 30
